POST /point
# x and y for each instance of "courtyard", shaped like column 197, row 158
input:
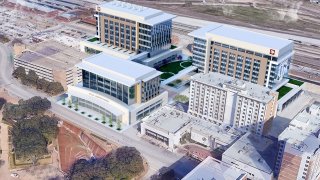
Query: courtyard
column 173, row 68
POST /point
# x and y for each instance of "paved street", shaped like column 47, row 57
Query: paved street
column 156, row 157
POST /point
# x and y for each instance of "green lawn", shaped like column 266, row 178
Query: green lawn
column 186, row 64
column 166, row 75
column 93, row 39
column 173, row 47
column 283, row 91
column 295, row 82
column 173, row 67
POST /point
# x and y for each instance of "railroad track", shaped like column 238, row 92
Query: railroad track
column 305, row 64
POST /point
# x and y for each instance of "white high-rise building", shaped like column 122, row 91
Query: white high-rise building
column 225, row 100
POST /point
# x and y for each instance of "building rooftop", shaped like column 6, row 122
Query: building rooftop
column 52, row 55
column 308, row 120
column 212, row 168
column 240, row 37
column 135, row 12
column 117, row 69
column 168, row 119
column 254, row 151
column 247, row 89
column 109, row 49
column 299, row 142
column 224, row 134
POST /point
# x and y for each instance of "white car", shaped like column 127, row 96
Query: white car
column 15, row 175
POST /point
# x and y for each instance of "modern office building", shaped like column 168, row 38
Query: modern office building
column 299, row 147
column 243, row 54
column 122, row 90
column 134, row 27
column 51, row 61
column 212, row 168
column 222, row 99
column 254, row 155
column 169, row 125
column 140, row 33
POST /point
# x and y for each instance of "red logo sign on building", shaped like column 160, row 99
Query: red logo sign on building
column 272, row 52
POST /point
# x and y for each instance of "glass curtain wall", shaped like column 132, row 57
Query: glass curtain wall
column 122, row 92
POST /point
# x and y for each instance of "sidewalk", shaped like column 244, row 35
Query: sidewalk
column 4, row 169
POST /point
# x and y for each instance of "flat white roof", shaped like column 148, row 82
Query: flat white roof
column 308, row 121
column 212, row 168
column 135, row 12
column 120, row 70
column 168, row 119
column 224, row 134
column 244, row 88
column 298, row 142
column 240, row 37
column 254, row 151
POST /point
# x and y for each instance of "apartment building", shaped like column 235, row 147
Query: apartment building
column 122, row 90
column 134, row 27
column 51, row 61
column 245, row 55
column 222, row 99
column 299, row 147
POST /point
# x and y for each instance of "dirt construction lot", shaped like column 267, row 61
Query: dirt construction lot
column 74, row 144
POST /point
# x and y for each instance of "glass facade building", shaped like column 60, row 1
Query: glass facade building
column 115, row 89
column 133, row 35
column 155, row 39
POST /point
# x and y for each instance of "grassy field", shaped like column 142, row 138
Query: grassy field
column 296, row 82
column 186, row 64
column 173, row 68
column 166, row 75
column 283, row 91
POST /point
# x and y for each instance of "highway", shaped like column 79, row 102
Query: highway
column 155, row 156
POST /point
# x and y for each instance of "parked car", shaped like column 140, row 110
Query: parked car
column 15, row 175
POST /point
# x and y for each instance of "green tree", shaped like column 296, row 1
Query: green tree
column 28, row 108
column 42, row 84
column 69, row 103
column 32, row 78
column 77, row 106
column 55, row 88
column 48, row 127
column 110, row 122
column 124, row 163
column 2, row 102
column 19, row 72
column 103, row 118
column 118, row 125
column 29, row 144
